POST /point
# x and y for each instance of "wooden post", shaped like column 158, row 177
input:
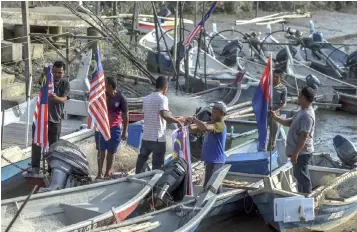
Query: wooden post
column 28, row 62
column 135, row 22
column 115, row 6
column 157, row 40
column 67, row 57
column 195, row 23
column 175, row 37
column 257, row 9
column 97, row 8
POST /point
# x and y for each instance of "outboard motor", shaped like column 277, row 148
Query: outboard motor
column 313, row 82
column 69, row 166
column 318, row 37
column 352, row 64
column 172, row 185
column 230, row 52
column 345, row 150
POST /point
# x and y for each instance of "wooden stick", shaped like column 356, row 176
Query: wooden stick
column 293, row 16
column 241, row 105
column 21, row 208
column 125, row 223
column 145, row 16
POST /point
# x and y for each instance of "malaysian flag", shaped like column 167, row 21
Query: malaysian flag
column 97, row 107
column 41, row 112
column 199, row 26
column 181, row 148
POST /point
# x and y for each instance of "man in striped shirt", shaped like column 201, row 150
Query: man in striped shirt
column 156, row 114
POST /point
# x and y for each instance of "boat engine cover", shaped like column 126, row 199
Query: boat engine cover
column 174, row 174
column 313, row 82
column 345, row 150
column 230, row 52
column 318, row 37
column 352, row 64
column 69, row 153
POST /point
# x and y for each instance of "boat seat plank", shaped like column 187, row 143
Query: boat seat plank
column 79, row 212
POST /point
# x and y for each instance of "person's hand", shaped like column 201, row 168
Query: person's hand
column 52, row 96
column 293, row 158
column 181, row 119
column 179, row 125
column 124, row 136
column 272, row 115
column 189, row 119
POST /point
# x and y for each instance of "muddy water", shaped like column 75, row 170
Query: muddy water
column 328, row 123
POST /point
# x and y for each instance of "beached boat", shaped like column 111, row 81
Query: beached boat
column 187, row 215
column 335, row 200
column 81, row 208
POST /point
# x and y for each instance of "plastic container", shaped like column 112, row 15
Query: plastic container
column 253, row 163
column 135, row 135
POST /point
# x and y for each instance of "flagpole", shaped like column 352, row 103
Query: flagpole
column 270, row 108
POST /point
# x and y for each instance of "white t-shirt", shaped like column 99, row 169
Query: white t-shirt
column 154, row 124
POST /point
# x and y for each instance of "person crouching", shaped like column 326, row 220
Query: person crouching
column 215, row 133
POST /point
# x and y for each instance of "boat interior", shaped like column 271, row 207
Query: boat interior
column 69, row 206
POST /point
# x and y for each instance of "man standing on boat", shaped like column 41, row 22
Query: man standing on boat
column 156, row 114
column 279, row 102
column 214, row 139
column 299, row 142
column 118, row 115
column 55, row 111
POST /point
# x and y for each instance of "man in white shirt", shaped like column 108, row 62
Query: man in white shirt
column 156, row 114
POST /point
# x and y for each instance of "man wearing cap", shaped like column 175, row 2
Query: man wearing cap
column 279, row 102
column 214, row 139
column 299, row 142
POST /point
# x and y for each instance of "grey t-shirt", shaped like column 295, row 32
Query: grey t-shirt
column 279, row 96
column 303, row 121
column 55, row 110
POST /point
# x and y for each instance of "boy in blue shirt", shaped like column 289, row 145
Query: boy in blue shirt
column 214, row 139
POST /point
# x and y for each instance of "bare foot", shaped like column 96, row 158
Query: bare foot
column 99, row 177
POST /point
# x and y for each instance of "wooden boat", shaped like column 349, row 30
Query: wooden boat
column 81, row 208
column 185, row 216
column 330, row 211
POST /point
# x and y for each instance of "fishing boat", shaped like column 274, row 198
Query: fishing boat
column 81, row 208
column 187, row 215
column 330, row 210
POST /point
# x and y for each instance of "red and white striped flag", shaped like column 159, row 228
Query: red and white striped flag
column 97, row 107
column 199, row 26
column 41, row 112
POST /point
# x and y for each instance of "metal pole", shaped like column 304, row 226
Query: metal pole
column 21, row 208
column 205, row 48
column 157, row 39
column 67, row 56
column 28, row 62
column 2, row 126
column 270, row 108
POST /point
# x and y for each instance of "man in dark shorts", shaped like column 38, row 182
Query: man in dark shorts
column 299, row 142
column 279, row 102
column 118, row 115
column 214, row 139
column 55, row 111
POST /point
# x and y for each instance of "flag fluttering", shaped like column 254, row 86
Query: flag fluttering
column 181, row 148
column 97, row 108
column 260, row 104
column 199, row 26
column 41, row 112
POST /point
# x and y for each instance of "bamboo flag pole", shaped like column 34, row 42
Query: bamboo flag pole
column 270, row 108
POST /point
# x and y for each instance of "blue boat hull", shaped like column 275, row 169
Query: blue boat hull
column 12, row 181
column 327, row 217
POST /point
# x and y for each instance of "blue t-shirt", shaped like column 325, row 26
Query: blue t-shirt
column 214, row 143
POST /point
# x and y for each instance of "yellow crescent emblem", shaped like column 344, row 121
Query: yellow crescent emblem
column 95, row 66
column 175, row 154
column 43, row 81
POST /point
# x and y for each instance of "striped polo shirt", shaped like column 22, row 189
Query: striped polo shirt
column 154, row 124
